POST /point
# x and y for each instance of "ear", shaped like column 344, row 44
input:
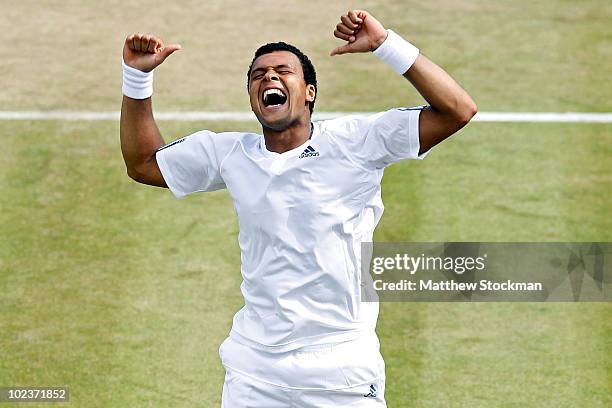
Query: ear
column 311, row 93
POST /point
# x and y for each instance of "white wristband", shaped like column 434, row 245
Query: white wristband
column 136, row 84
column 397, row 52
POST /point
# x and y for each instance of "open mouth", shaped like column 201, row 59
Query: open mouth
column 274, row 97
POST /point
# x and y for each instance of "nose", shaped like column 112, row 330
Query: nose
column 271, row 75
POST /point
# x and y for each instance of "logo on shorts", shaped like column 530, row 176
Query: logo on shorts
column 372, row 393
column 308, row 152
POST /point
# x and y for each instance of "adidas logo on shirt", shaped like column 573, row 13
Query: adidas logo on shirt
column 308, row 152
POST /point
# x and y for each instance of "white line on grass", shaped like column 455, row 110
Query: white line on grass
column 564, row 117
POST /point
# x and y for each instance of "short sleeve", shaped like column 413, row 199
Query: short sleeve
column 377, row 141
column 193, row 163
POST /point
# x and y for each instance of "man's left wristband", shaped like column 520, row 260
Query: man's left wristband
column 137, row 84
column 398, row 53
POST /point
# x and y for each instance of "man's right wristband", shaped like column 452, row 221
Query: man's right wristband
column 397, row 52
column 136, row 84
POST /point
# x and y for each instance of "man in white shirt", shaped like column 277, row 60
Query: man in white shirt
column 306, row 195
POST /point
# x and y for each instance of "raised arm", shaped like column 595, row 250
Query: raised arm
column 451, row 107
column 140, row 137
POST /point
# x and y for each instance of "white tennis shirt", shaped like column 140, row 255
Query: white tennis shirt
column 302, row 216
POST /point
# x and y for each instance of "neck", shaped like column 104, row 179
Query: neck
column 280, row 141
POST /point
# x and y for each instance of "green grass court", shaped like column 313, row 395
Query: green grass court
column 124, row 294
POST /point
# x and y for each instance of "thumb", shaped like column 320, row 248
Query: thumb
column 343, row 49
column 167, row 50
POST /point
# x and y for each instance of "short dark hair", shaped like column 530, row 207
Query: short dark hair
column 310, row 75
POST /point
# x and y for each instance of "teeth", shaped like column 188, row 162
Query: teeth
column 273, row 91
column 269, row 92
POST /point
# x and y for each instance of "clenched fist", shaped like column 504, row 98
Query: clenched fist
column 145, row 51
column 361, row 30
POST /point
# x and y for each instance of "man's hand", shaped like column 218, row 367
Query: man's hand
column 361, row 30
column 145, row 51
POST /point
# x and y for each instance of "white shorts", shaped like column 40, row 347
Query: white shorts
column 348, row 374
